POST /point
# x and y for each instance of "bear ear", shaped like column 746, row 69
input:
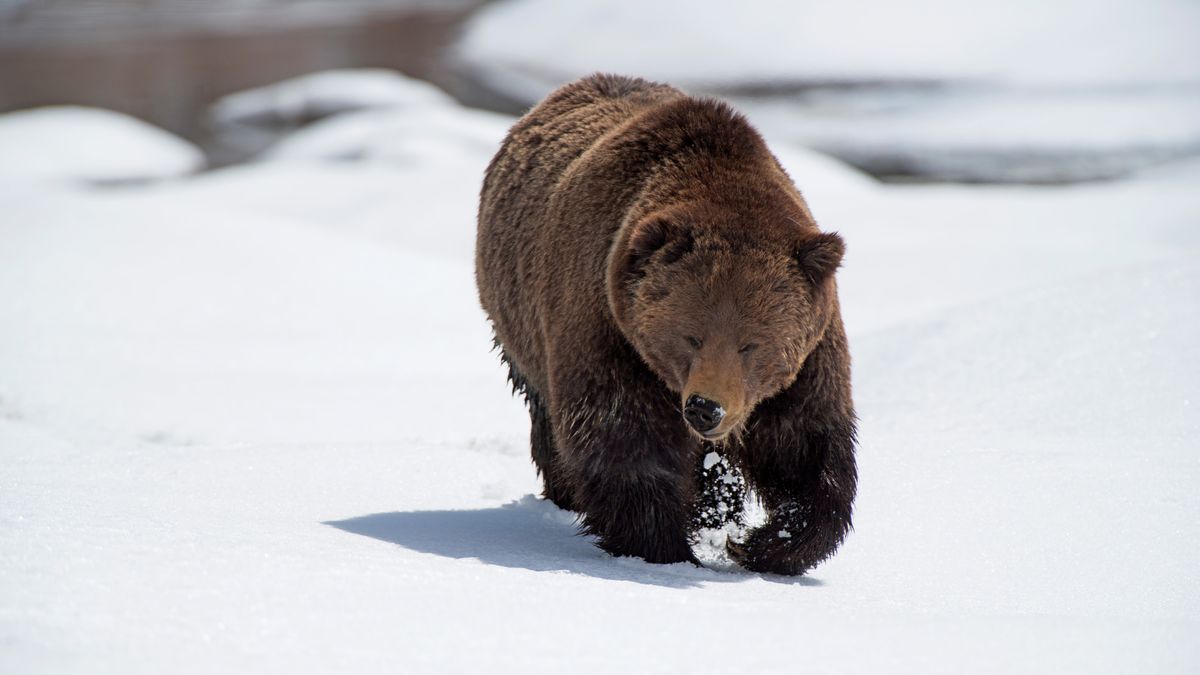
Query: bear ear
column 656, row 234
column 820, row 255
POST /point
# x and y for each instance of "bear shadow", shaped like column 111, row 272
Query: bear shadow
column 530, row 534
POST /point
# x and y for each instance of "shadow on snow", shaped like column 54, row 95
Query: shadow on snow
column 529, row 534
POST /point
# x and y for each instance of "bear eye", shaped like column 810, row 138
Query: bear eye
column 696, row 343
column 747, row 348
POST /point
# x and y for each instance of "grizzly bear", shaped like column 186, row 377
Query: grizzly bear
column 659, row 290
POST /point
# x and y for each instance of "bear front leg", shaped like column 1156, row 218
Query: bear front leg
column 798, row 454
column 631, row 466
column 808, row 485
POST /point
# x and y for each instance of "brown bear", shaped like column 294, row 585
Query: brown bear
column 658, row 289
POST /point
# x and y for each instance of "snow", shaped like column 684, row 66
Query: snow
column 1022, row 92
column 246, row 122
column 404, row 135
column 997, row 136
column 77, row 144
column 1024, row 42
column 323, row 94
column 249, row 421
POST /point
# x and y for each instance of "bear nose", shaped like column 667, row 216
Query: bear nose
column 702, row 414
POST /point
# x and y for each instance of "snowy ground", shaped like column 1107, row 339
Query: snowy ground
column 249, row 422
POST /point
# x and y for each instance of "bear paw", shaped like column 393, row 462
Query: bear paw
column 769, row 553
column 790, row 545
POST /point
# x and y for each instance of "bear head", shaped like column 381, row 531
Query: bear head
column 724, row 311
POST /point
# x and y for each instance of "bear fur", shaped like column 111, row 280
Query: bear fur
column 639, row 248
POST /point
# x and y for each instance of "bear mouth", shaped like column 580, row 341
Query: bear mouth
column 720, row 434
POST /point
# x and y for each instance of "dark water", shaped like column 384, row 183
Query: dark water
column 165, row 61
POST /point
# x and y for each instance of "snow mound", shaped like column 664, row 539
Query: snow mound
column 77, row 144
column 247, row 122
column 414, row 135
column 406, row 175
column 311, row 97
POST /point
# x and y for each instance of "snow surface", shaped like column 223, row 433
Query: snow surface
column 998, row 136
column 397, row 135
column 1024, row 91
column 77, row 144
column 246, row 122
column 325, row 93
column 1022, row 42
column 249, row 421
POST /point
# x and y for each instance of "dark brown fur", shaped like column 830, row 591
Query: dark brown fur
column 637, row 246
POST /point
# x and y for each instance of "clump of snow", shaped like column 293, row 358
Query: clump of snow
column 89, row 145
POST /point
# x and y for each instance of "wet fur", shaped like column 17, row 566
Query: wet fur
column 602, row 216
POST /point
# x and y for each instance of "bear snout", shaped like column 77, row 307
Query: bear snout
column 703, row 414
